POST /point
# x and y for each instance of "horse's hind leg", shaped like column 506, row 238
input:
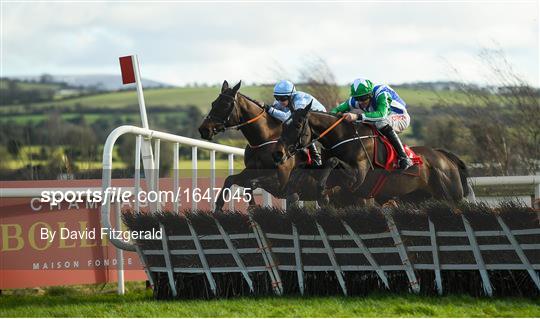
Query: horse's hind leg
column 440, row 185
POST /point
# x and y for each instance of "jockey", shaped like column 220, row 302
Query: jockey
column 381, row 106
column 287, row 99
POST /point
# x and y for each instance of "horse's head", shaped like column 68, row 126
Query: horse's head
column 295, row 136
column 220, row 113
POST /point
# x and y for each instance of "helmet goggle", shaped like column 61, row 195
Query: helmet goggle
column 362, row 98
column 281, row 98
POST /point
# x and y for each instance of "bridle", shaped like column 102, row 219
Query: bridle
column 222, row 123
column 293, row 149
column 303, row 133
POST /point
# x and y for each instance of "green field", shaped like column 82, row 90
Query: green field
column 99, row 301
column 26, row 86
column 200, row 97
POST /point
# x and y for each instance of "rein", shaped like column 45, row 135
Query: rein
column 263, row 144
column 236, row 126
column 330, row 128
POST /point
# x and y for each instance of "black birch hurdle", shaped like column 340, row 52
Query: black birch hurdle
column 428, row 249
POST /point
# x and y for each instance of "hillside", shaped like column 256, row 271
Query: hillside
column 103, row 82
column 172, row 98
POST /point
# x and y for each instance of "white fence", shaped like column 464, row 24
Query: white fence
column 533, row 180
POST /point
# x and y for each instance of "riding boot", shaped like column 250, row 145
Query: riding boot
column 315, row 155
column 404, row 161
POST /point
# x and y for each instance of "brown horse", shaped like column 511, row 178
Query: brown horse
column 233, row 110
column 442, row 175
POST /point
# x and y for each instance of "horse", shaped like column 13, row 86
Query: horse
column 233, row 110
column 441, row 176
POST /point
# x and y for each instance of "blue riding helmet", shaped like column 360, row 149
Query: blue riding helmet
column 284, row 88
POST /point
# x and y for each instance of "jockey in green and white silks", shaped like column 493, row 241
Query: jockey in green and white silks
column 287, row 99
column 381, row 106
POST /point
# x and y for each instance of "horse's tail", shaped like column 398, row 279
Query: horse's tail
column 463, row 172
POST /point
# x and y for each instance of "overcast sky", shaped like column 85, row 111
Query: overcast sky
column 180, row 43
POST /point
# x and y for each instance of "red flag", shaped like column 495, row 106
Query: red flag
column 126, row 66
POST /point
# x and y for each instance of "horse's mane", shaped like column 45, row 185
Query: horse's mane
column 325, row 113
column 259, row 105
column 250, row 99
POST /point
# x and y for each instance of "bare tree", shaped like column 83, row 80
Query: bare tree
column 314, row 77
column 503, row 118
column 319, row 80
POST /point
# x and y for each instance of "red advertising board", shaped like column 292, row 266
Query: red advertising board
column 28, row 260
column 31, row 257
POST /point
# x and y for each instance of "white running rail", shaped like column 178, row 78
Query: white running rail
column 149, row 135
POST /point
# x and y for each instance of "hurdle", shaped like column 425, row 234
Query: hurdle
column 267, row 260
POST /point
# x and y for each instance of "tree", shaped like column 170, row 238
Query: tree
column 314, row 77
column 319, row 80
column 502, row 119
column 14, row 147
column 46, row 78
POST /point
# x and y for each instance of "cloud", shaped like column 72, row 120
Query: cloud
column 207, row 42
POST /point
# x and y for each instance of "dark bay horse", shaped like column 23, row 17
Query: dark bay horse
column 233, row 110
column 442, row 175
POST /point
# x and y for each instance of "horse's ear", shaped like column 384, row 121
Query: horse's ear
column 224, row 86
column 237, row 87
column 308, row 107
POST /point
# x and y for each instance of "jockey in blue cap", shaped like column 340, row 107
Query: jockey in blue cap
column 287, row 99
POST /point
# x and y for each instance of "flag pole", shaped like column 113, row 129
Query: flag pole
column 140, row 95
column 131, row 73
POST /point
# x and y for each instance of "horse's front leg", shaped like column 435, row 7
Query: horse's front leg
column 328, row 166
column 322, row 194
column 291, row 187
column 283, row 176
column 242, row 179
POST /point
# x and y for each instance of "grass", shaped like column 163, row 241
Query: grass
column 203, row 166
column 200, row 97
column 25, row 86
column 89, row 118
column 92, row 301
column 203, row 96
